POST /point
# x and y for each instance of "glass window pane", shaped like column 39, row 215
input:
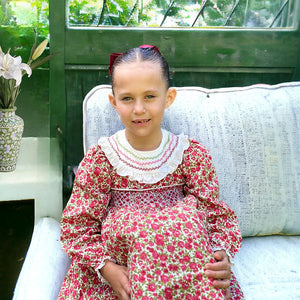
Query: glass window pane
column 18, row 21
column 24, row 12
column 167, row 13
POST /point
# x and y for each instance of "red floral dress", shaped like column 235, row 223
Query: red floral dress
column 155, row 212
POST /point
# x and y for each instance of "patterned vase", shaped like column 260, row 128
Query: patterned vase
column 11, row 130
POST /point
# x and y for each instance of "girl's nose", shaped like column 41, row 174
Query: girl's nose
column 139, row 107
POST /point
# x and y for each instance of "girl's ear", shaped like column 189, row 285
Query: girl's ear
column 171, row 95
column 112, row 100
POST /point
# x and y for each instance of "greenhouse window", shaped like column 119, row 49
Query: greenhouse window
column 159, row 13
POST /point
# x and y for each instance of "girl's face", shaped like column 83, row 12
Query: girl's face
column 140, row 98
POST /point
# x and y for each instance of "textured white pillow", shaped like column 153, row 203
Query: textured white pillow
column 253, row 134
column 268, row 268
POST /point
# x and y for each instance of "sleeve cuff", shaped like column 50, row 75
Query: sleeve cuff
column 101, row 265
column 231, row 261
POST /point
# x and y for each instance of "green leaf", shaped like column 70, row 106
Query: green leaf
column 41, row 61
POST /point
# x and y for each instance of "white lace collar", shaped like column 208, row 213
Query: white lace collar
column 144, row 166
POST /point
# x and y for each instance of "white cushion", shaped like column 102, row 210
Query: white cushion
column 268, row 268
column 253, row 136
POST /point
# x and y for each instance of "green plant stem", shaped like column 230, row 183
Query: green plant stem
column 102, row 13
column 167, row 12
column 132, row 11
column 8, row 92
column 200, row 12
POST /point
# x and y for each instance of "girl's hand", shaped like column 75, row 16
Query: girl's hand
column 117, row 276
column 220, row 271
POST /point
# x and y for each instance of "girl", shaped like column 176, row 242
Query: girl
column 144, row 220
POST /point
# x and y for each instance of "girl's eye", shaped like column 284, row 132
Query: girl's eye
column 126, row 99
column 150, row 97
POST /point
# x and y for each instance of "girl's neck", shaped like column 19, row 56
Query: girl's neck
column 144, row 143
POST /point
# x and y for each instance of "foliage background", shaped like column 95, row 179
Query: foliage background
column 241, row 13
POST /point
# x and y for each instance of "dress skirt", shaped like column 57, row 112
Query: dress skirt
column 165, row 245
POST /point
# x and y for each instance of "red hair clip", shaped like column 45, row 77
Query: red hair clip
column 113, row 56
column 150, row 46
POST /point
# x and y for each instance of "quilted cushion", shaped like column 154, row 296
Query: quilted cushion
column 253, row 134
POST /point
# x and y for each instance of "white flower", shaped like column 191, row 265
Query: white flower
column 12, row 67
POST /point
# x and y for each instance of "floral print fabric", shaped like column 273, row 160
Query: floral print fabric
column 164, row 232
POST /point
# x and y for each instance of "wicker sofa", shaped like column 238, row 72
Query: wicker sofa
column 253, row 134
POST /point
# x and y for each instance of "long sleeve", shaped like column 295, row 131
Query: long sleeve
column 201, row 182
column 85, row 211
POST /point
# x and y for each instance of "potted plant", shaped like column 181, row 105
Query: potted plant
column 11, row 126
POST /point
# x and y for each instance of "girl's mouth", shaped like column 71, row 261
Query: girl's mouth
column 141, row 121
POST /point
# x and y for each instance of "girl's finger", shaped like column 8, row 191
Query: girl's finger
column 218, row 266
column 218, row 274
column 221, row 284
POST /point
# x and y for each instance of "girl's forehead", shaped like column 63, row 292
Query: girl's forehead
column 139, row 64
column 138, row 75
column 138, row 68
